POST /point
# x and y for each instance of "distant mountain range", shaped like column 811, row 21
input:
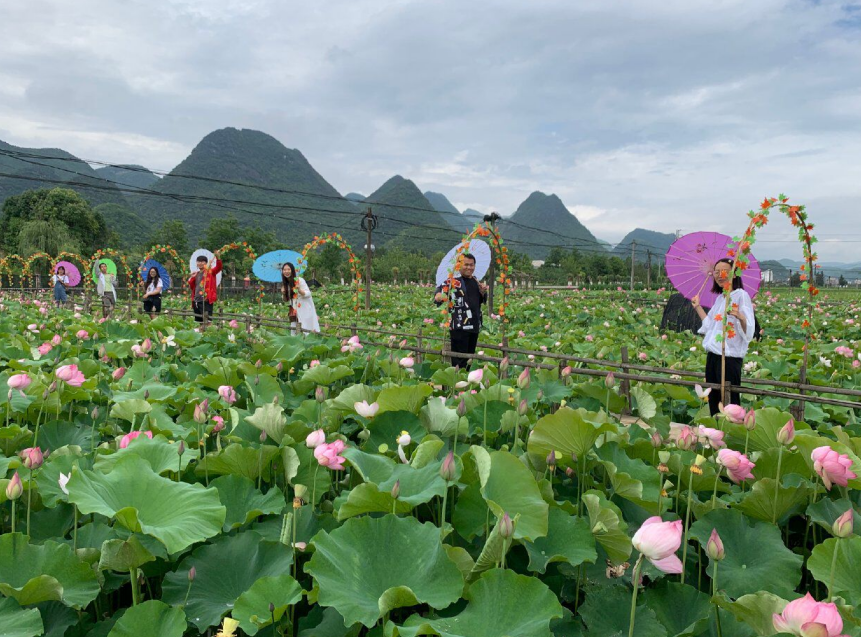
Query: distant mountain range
column 130, row 175
column 644, row 243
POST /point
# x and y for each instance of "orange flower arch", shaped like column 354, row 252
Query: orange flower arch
column 336, row 239
column 36, row 256
column 6, row 265
column 243, row 246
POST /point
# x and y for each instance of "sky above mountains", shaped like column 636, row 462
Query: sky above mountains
column 662, row 114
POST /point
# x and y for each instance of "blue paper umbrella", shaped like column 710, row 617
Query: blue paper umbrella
column 267, row 267
column 162, row 272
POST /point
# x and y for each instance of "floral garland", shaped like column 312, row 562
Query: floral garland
column 101, row 254
column 35, row 257
column 484, row 230
column 243, row 245
column 740, row 253
column 160, row 249
column 71, row 256
column 336, row 239
column 5, row 265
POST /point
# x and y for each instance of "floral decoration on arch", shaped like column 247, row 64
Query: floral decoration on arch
column 336, row 239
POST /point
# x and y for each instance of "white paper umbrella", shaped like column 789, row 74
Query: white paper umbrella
column 209, row 256
column 477, row 248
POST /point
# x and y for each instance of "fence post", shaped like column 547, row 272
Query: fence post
column 797, row 409
column 504, row 374
column 625, row 385
column 419, row 345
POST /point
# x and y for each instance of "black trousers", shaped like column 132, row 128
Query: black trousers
column 152, row 304
column 199, row 308
column 733, row 377
column 464, row 342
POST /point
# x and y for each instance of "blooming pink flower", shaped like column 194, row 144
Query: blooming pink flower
column 589, row 338
column 365, row 410
column 352, row 344
column 475, row 376
column 737, row 464
column 71, row 375
column 56, row 340
column 44, row 348
column 710, row 437
column 126, row 440
column 219, row 424
column 642, row 356
column 137, row 350
column 658, row 541
column 806, row 616
column 315, row 439
column 227, row 393
column 327, row 455
column 407, row 362
column 832, row 467
column 83, row 335
column 146, row 346
column 734, row 413
column 313, row 363
column 233, row 323
column 19, row 382
column 682, row 435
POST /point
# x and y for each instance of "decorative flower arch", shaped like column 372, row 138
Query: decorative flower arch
column 105, row 252
column 86, row 280
column 161, row 249
column 500, row 253
column 37, row 256
column 243, row 246
column 336, row 239
column 5, row 265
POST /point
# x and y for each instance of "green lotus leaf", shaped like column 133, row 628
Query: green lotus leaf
column 56, row 435
column 327, row 623
column 244, row 502
column 19, row 622
column 607, row 613
column 252, row 607
column 238, row 460
column 764, row 499
column 427, row 452
column 151, row 390
column 569, row 539
column 370, row 566
column 764, row 436
column 567, row 432
column 756, row 558
column 264, row 389
column 386, row 427
column 47, row 478
column 847, row 575
column 123, row 555
column 371, row 467
column 607, row 526
column 271, row 419
column 470, row 512
column 225, row 569
column 408, row 398
column 682, row 609
column 368, row 498
column 325, row 375
column 441, row 420
column 150, row 619
column 645, row 404
column 631, row 479
column 162, row 456
column 756, row 610
column 178, row 514
column 33, row 573
column 826, row 511
column 509, row 487
column 500, row 603
column 345, row 402
column 494, row 549
column 129, row 409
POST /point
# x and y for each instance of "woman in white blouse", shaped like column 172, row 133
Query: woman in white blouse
column 152, row 293
column 295, row 291
column 740, row 331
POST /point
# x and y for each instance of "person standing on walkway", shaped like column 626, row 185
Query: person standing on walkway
column 106, row 289
column 204, row 288
column 467, row 294
column 61, row 280
column 297, row 295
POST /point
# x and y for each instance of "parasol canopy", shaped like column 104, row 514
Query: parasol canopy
column 192, row 262
column 72, row 272
column 267, row 267
column 163, row 274
column 477, row 248
column 691, row 260
column 112, row 268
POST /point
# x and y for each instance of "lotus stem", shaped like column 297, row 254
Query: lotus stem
column 187, row 592
column 75, row 530
column 777, row 485
column 687, row 524
column 133, row 578
column 260, row 467
column 484, row 439
column 714, row 595
column 833, row 568
column 635, row 577
column 13, row 516
column 714, row 493
column 443, row 512
column 29, row 498
column 314, row 488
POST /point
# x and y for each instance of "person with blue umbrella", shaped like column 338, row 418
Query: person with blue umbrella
column 297, row 294
column 153, row 287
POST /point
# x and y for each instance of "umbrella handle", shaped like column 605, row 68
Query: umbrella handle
column 705, row 280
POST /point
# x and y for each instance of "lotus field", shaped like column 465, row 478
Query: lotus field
column 161, row 480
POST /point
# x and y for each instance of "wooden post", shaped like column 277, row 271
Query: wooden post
column 797, row 409
column 504, row 374
column 625, row 385
column 419, row 346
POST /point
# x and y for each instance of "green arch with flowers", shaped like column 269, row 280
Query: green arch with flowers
column 335, row 238
column 6, row 266
column 488, row 231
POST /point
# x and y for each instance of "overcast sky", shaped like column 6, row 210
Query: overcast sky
column 662, row 114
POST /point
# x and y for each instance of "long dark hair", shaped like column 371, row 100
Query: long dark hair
column 150, row 279
column 736, row 281
column 288, row 282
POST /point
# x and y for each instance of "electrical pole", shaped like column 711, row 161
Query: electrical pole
column 369, row 222
column 633, row 253
column 648, row 269
column 491, row 219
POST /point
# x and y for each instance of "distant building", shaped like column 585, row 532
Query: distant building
column 537, row 264
column 767, row 276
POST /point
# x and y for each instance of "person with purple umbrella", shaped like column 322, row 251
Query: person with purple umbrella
column 60, row 280
column 740, row 331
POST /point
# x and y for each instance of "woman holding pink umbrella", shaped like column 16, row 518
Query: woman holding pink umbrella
column 739, row 332
column 60, row 280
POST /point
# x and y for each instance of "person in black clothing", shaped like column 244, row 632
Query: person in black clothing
column 467, row 294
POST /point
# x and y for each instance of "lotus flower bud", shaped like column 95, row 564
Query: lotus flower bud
column 95, row 413
column 447, row 469
column 181, row 449
column 279, row 367
column 540, row 395
column 146, row 394
column 523, row 379
column 461, row 408
column 396, row 490
column 750, row 420
column 569, row 471
column 315, row 439
column 551, row 460
column 842, row 526
column 101, row 349
column 610, row 380
column 271, row 608
column 503, row 365
column 258, row 364
column 262, row 437
column 657, row 440
column 199, row 414
column 664, row 456
column 219, row 424
column 320, row 394
column 787, row 433
column 53, row 387
column 714, row 547
column 32, row 458
column 364, row 434
column 522, row 408
column 566, row 371
column 506, row 526
column 192, row 573
column 326, row 506
column 15, row 488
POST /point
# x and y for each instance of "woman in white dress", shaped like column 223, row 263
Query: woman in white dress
column 295, row 291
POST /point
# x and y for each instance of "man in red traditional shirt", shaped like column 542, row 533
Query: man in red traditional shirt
column 204, row 288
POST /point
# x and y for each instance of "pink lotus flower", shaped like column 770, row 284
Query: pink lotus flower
column 832, row 467
column 126, row 440
column 327, row 455
column 71, row 375
column 682, row 435
column 233, row 324
column 146, row 346
column 734, row 413
column 786, row 434
column 313, row 364
column 407, row 362
column 219, row 424
column 32, row 458
column 44, row 348
column 658, row 541
column 709, row 437
column 714, row 547
column 315, row 439
column 14, row 488
column 56, row 340
column 352, row 344
column 118, row 373
column 227, row 393
column 83, row 335
column 19, row 382
column 842, row 526
column 642, row 356
column 138, row 351
column 365, row 410
column 475, row 376
column 737, row 465
column 807, row 617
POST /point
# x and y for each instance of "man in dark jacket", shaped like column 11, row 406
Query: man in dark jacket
column 467, row 295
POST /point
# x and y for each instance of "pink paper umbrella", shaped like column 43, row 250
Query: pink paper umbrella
column 71, row 271
column 691, row 260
